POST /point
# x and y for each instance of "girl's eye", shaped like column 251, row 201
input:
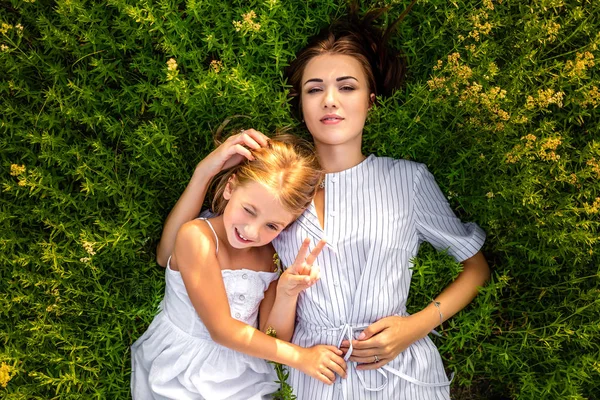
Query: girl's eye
column 272, row 227
column 248, row 211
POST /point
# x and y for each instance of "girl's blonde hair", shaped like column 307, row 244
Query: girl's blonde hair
column 288, row 167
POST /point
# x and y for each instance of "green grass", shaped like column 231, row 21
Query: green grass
column 98, row 138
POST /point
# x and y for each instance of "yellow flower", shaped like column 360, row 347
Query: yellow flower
column 551, row 28
column 6, row 374
column 5, row 28
column 595, row 165
column 17, row 169
column 591, row 98
column 545, row 98
column 216, row 65
column 277, row 262
column 172, row 64
column 89, row 247
column 247, row 23
column 577, row 67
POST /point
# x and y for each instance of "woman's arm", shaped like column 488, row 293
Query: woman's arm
column 228, row 154
column 389, row 336
column 195, row 257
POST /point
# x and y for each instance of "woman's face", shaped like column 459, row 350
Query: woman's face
column 335, row 99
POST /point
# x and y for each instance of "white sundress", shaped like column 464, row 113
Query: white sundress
column 177, row 359
column 376, row 215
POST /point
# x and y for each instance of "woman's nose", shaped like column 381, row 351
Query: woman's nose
column 330, row 99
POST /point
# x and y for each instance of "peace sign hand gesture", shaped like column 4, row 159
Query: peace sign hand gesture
column 302, row 274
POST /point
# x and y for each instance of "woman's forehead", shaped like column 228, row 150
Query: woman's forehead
column 333, row 66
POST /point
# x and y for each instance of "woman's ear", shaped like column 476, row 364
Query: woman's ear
column 371, row 100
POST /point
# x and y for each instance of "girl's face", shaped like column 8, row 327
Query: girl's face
column 253, row 217
column 335, row 99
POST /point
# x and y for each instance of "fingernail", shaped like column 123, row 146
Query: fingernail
column 361, row 336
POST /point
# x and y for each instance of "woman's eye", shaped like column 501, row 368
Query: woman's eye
column 313, row 90
column 347, row 88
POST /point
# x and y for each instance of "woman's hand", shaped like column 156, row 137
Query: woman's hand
column 385, row 339
column 233, row 150
column 302, row 274
column 322, row 362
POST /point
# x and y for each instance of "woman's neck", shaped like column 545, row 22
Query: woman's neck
column 336, row 158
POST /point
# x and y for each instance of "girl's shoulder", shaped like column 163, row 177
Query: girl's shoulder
column 199, row 232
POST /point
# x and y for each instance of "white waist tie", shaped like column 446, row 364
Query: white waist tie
column 347, row 332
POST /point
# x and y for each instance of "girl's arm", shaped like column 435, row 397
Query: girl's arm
column 278, row 308
column 228, row 154
column 389, row 336
column 195, row 257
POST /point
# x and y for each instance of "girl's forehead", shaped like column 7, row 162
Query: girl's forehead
column 265, row 199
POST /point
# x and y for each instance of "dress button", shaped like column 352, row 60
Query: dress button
column 336, row 283
column 242, row 297
column 237, row 315
column 245, row 276
column 332, row 179
column 332, row 213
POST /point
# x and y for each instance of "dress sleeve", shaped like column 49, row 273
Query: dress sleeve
column 436, row 222
column 207, row 213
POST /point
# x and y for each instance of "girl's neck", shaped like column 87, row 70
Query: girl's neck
column 336, row 158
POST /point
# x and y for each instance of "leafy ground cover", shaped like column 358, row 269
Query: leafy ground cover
column 106, row 107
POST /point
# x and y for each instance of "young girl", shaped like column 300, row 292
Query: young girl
column 375, row 213
column 221, row 280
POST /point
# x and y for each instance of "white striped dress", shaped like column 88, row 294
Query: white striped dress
column 377, row 213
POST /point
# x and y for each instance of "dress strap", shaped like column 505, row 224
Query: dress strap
column 213, row 230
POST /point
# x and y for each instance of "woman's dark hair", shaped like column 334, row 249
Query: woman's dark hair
column 357, row 37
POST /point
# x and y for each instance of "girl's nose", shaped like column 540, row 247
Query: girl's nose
column 251, row 231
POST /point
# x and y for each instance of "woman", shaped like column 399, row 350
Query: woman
column 374, row 213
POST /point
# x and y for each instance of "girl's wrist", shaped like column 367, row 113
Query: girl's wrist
column 282, row 293
column 294, row 359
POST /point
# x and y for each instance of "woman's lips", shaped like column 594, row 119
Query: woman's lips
column 331, row 119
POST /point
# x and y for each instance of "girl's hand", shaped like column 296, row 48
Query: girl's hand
column 385, row 339
column 233, row 151
column 302, row 274
column 322, row 362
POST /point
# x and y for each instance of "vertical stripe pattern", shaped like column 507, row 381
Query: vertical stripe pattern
column 376, row 216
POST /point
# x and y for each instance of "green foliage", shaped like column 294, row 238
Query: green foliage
column 106, row 107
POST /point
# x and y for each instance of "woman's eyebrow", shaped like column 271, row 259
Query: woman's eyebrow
column 341, row 78
column 314, row 80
